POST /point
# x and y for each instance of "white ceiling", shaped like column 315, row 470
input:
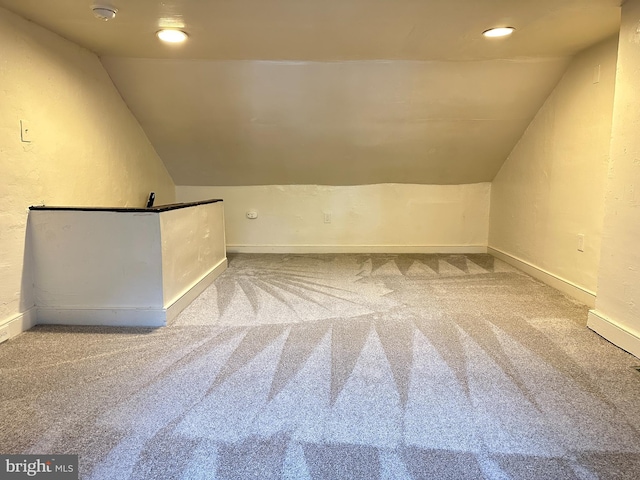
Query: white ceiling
column 333, row 91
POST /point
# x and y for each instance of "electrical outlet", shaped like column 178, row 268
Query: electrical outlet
column 327, row 217
column 596, row 74
column 581, row 242
column 252, row 214
column 25, row 131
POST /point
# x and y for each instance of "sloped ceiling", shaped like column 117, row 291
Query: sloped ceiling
column 335, row 91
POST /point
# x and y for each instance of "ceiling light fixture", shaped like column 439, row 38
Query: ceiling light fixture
column 171, row 35
column 104, row 12
column 498, row 32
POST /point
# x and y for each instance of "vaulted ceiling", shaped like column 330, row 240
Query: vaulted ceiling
column 333, row 91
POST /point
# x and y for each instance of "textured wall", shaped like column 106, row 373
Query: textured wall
column 619, row 275
column 551, row 187
column 86, row 147
column 390, row 215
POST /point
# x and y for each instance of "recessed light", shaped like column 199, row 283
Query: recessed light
column 498, row 32
column 170, row 35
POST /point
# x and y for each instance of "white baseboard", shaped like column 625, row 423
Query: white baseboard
column 565, row 286
column 109, row 317
column 190, row 295
column 18, row 324
column 453, row 249
column 614, row 332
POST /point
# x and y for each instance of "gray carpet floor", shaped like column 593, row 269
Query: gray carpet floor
column 335, row 367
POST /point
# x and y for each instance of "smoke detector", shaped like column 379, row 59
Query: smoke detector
column 104, row 12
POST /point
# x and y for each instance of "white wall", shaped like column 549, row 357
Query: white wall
column 551, row 187
column 128, row 268
column 617, row 314
column 96, row 259
column 86, row 147
column 386, row 218
column 193, row 244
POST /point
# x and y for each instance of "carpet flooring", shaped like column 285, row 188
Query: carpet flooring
column 401, row 367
